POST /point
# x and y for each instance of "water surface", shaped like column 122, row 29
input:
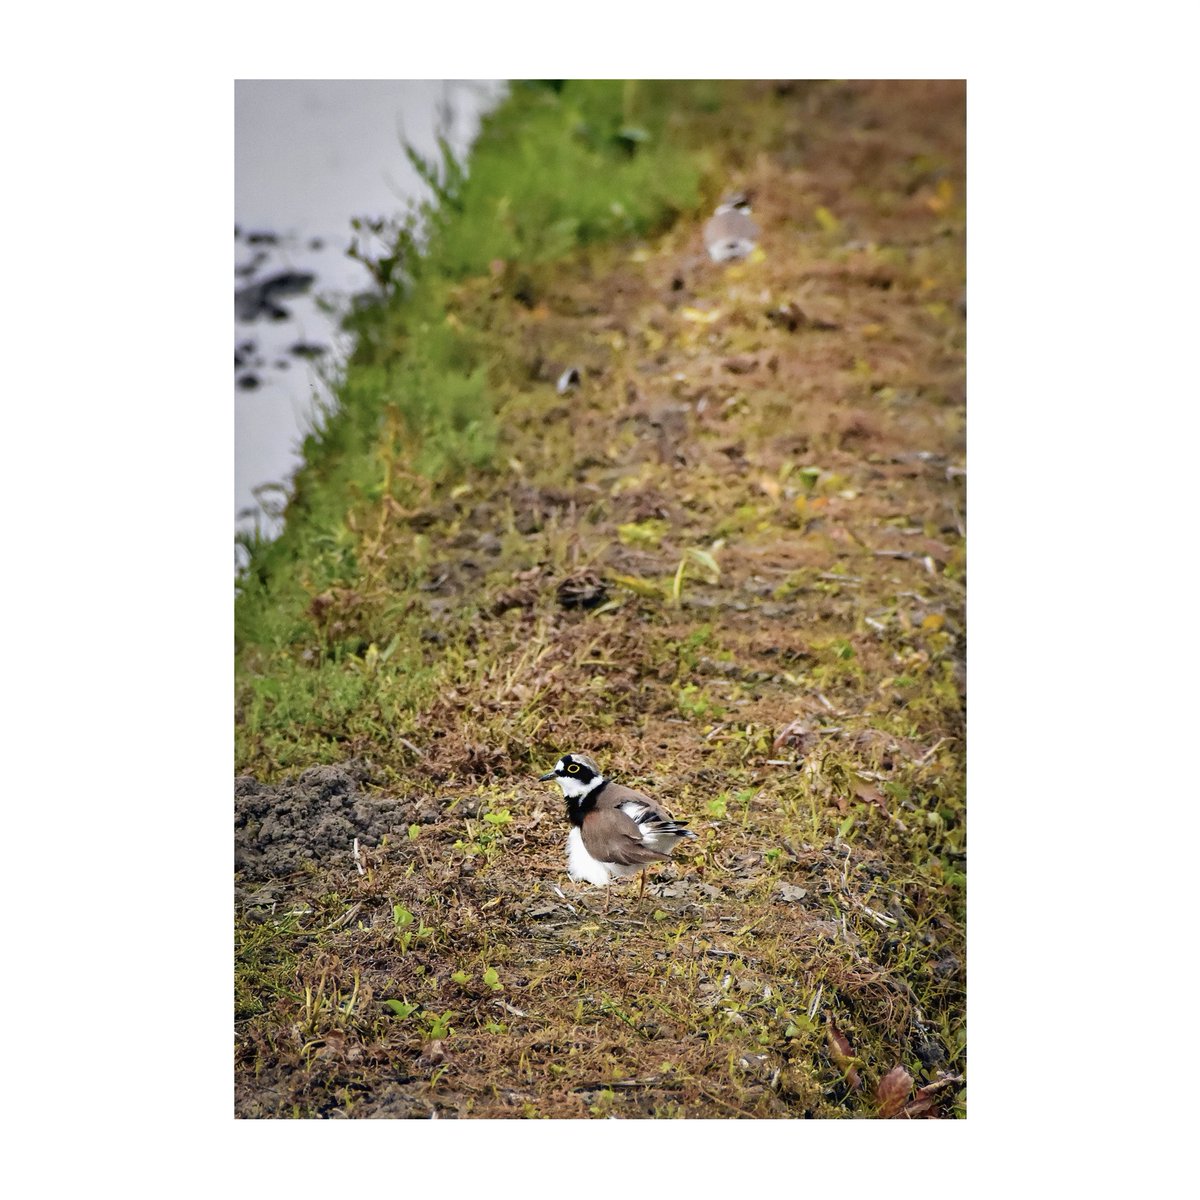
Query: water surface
column 311, row 155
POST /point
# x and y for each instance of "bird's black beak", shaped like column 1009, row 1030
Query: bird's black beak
column 548, row 775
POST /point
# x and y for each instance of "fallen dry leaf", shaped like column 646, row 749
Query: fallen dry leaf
column 892, row 1091
column 842, row 1053
column 742, row 364
column 868, row 793
column 927, row 1098
column 796, row 733
column 433, row 1054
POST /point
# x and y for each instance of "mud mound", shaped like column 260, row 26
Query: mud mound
column 314, row 818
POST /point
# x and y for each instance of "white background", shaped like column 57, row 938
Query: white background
column 1082, row 633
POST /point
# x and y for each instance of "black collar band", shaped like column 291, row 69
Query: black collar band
column 578, row 807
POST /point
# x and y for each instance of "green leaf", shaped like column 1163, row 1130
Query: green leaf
column 798, row 1025
column 500, row 817
column 390, row 650
column 461, row 977
column 492, row 979
column 706, row 560
column 401, row 916
column 399, row 1008
column 677, row 585
column 440, row 1026
column 642, row 587
column 608, row 606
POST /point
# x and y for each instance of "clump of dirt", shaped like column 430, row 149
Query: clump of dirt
column 311, row 819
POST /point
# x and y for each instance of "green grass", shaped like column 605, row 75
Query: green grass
column 551, row 171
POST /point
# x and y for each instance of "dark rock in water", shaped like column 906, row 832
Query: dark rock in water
column 245, row 269
column 282, row 364
column 316, row 244
column 262, row 298
column 308, row 349
column 263, row 237
column 248, row 382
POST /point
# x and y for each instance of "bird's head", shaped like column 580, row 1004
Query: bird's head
column 576, row 774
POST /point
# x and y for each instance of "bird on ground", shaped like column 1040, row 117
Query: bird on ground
column 731, row 233
column 615, row 831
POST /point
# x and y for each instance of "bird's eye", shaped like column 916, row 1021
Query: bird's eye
column 574, row 768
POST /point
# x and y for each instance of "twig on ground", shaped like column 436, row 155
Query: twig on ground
column 878, row 917
column 930, row 752
column 512, row 1008
column 345, row 917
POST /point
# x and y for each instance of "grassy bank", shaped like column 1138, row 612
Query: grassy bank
column 730, row 565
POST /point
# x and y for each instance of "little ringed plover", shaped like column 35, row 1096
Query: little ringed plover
column 615, row 831
column 731, row 233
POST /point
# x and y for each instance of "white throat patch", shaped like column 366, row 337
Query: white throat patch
column 574, row 790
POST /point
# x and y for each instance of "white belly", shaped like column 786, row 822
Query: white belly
column 581, row 865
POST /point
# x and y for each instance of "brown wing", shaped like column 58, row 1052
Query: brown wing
column 611, row 836
column 732, row 225
column 614, row 795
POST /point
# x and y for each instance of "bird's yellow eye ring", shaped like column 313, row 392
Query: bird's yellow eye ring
column 573, row 768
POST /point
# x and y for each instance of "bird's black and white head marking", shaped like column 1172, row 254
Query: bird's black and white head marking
column 735, row 202
column 577, row 775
